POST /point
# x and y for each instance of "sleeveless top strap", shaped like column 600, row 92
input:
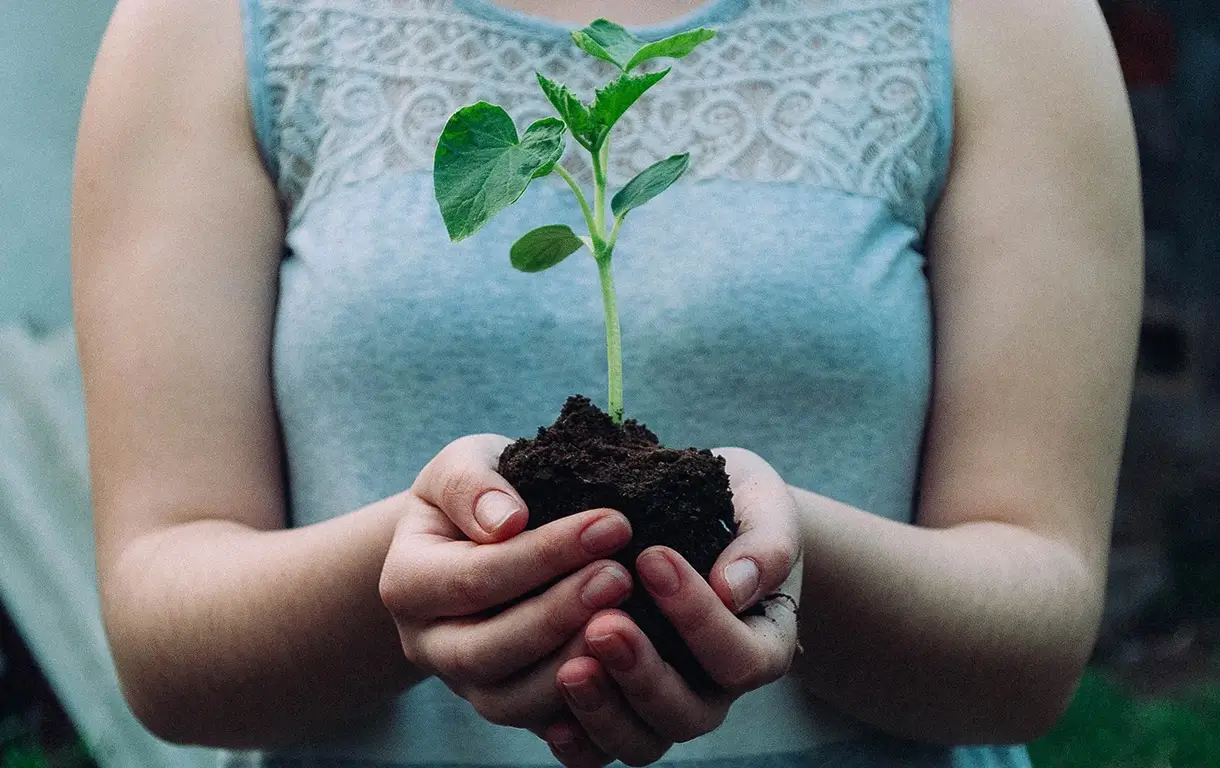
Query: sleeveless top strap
column 262, row 114
column 942, row 82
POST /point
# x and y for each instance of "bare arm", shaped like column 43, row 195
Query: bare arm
column 226, row 629
column 975, row 625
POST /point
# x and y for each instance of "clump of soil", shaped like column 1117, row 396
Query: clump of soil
column 676, row 498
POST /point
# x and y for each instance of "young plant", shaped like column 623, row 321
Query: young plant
column 482, row 167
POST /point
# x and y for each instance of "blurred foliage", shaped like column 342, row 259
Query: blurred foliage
column 20, row 748
column 1107, row 728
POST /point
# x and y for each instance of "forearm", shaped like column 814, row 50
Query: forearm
column 229, row 636
column 973, row 634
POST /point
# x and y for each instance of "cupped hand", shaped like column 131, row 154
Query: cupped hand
column 459, row 556
column 625, row 702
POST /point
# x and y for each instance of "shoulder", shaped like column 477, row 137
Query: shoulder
column 180, row 27
column 173, row 53
column 168, row 88
column 1054, row 57
column 1041, row 107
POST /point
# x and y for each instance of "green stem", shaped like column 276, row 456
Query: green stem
column 618, row 222
column 614, row 338
column 580, row 196
column 603, row 254
column 599, row 194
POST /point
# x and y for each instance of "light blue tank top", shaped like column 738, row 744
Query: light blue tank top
column 775, row 299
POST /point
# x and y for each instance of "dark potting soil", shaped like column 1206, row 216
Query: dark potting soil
column 676, row 498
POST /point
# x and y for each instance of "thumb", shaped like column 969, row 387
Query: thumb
column 764, row 556
column 463, row 483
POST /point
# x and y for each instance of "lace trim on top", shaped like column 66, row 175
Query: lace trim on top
column 833, row 93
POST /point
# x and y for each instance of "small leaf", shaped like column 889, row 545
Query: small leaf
column 481, row 168
column 574, row 113
column 650, row 182
column 610, row 42
column 544, row 247
column 617, row 97
column 675, row 47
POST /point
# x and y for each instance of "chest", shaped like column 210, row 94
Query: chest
column 770, row 316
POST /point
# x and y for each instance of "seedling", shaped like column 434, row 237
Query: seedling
column 482, row 167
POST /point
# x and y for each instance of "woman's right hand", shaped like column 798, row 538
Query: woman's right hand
column 444, row 582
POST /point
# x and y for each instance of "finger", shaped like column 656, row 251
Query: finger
column 528, row 699
column 767, row 548
column 463, row 483
column 571, row 746
column 651, row 687
column 738, row 654
column 483, row 650
column 426, row 576
column 605, row 716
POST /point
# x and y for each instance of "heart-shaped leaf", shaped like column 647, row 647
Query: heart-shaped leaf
column 650, row 182
column 617, row 97
column 544, row 247
column 574, row 113
column 481, row 168
column 610, row 42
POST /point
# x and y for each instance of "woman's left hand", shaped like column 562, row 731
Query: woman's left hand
column 626, row 702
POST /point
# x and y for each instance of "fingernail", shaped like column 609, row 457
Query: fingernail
column 493, row 509
column 606, row 535
column 659, row 574
column 742, row 578
column 585, row 694
column 613, row 651
column 562, row 739
column 607, row 587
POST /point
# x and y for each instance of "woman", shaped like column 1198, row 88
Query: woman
column 290, row 374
